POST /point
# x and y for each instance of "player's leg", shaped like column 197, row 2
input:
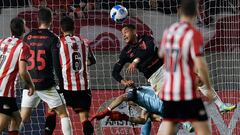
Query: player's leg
column 57, row 103
column 86, row 124
column 223, row 107
column 27, row 104
column 4, row 121
column 15, row 123
column 50, row 123
column 157, row 79
column 201, row 128
column 6, row 109
column 9, row 112
column 167, row 128
column 83, row 107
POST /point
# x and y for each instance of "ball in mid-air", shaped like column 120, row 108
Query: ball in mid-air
column 119, row 13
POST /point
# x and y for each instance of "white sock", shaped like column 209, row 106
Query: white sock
column 66, row 126
column 217, row 99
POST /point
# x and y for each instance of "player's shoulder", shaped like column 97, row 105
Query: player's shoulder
column 196, row 33
column 84, row 40
column 146, row 37
column 51, row 34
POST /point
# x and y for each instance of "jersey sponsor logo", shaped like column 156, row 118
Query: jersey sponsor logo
column 143, row 46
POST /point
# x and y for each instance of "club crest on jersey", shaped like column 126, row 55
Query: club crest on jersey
column 143, row 46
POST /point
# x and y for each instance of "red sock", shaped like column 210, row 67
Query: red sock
column 87, row 127
column 13, row 133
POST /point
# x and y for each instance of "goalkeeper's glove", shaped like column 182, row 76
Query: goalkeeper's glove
column 117, row 116
column 101, row 115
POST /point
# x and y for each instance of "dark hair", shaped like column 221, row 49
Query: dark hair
column 17, row 27
column 67, row 24
column 130, row 26
column 189, row 7
column 45, row 15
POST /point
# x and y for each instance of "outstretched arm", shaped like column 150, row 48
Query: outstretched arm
column 116, row 102
column 106, row 112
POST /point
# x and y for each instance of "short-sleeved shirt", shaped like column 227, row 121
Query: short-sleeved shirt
column 12, row 50
column 144, row 49
column 181, row 44
column 45, row 59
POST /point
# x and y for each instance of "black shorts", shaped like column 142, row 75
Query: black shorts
column 192, row 110
column 8, row 105
column 78, row 100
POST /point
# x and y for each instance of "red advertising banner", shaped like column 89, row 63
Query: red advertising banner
column 227, row 124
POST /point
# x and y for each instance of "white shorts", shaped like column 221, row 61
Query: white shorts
column 50, row 96
column 157, row 78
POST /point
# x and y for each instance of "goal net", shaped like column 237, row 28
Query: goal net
column 218, row 20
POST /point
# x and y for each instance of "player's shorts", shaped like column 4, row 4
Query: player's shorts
column 49, row 96
column 78, row 100
column 192, row 110
column 157, row 78
column 8, row 105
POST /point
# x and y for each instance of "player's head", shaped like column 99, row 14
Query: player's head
column 67, row 24
column 188, row 8
column 129, row 33
column 17, row 26
column 45, row 16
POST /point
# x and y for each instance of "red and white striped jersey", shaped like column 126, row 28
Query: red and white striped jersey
column 73, row 56
column 181, row 44
column 11, row 51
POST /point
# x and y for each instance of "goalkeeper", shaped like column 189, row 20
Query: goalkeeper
column 143, row 96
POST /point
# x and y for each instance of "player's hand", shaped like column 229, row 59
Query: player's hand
column 127, row 83
column 101, row 115
column 31, row 90
column 117, row 116
column 132, row 68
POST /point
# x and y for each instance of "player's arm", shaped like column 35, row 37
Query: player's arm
column 106, row 112
column 141, row 119
column 144, row 50
column 91, row 57
column 23, row 72
column 117, row 68
column 200, row 64
column 55, row 49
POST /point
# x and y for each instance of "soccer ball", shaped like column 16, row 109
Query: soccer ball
column 118, row 13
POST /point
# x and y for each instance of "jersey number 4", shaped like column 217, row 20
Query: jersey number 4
column 40, row 63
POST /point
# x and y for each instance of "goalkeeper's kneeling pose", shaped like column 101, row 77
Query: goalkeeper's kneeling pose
column 143, row 96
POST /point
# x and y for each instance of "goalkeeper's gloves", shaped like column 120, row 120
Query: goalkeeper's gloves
column 117, row 116
column 101, row 115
